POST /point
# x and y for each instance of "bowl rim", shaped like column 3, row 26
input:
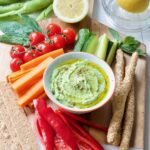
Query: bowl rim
column 72, row 109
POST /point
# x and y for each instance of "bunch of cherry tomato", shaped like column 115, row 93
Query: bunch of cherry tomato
column 40, row 44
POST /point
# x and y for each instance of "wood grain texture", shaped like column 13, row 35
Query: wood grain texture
column 102, row 115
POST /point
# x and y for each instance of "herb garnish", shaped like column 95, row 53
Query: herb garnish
column 129, row 44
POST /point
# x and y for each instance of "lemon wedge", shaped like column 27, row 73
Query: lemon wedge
column 133, row 6
column 71, row 11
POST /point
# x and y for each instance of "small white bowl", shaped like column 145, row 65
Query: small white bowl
column 79, row 55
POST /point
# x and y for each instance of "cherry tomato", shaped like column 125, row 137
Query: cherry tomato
column 58, row 41
column 17, row 51
column 31, row 54
column 53, row 29
column 36, row 38
column 44, row 48
column 69, row 35
column 15, row 64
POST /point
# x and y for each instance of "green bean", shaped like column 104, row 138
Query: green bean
column 29, row 7
column 6, row 2
column 7, row 8
column 45, row 13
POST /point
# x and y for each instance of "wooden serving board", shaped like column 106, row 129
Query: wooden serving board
column 102, row 115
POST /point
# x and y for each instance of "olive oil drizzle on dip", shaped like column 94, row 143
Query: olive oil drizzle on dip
column 79, row 83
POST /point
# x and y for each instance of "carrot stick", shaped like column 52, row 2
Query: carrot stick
column 25, row 82
column 16, row 75
column 43, row 95
column 35, row 91
column 38, row 60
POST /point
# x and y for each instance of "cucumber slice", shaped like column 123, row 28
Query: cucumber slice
column 82, row 37
column 101, row 50
column 112, row 52
column 91, row 44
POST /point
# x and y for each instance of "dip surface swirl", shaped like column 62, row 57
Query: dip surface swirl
column 79, row 83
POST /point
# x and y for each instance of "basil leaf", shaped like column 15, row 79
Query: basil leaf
column 14, row 28
column 30, row 23
column 18, row 32
column 141, row 52
column 13, row 39
column 115, row 35
column 131, row 41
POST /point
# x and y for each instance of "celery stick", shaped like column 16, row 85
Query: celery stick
column 102, row 47
column 112, row 52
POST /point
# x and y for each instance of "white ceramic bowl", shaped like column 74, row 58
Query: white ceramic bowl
column 79, row 55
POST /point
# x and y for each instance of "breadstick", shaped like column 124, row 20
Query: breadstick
column 119, row 75
column 119, row 72
column 119, row 68
column 120, row 97
column 128, row 121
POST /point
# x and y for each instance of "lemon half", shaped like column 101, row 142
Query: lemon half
column 71, row 11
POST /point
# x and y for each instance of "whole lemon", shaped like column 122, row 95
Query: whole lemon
column 133, row 6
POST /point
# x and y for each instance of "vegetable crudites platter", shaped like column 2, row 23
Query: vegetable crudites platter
column 68, row 82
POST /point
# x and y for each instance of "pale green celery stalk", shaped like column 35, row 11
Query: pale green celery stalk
column 102, row 47
column 112, row 52
column 11, row 7
column 45, row 13
column 29, row 7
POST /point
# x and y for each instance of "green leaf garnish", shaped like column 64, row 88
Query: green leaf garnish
column 129, row 44
column 115, row 35
column 17, row 32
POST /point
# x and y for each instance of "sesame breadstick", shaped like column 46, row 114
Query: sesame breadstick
column 119, row 75
column 128, row 121
column 119, row 72
column 119, row 68
column 120, row 97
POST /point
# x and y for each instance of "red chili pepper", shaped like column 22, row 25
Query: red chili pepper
column 59, row 127
column 59, row 143
column 47, row 133
column 45, row 130
column 83, row 132
column 84, row 121
column 56, row 123
column 39, row 104
column 38, row 130
column 82, row 135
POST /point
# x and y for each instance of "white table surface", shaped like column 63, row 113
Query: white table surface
column 100, row 15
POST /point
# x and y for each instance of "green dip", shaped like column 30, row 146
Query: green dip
column 79, row 83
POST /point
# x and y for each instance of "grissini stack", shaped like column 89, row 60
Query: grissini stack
column 119, row 100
